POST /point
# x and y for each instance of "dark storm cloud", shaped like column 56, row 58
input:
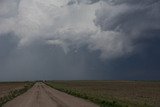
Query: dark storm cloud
column 133, row 17
column 139, row 22
column 7, row 43
column 79, row 39
column 42, row 61
column 143, row 65
column 132, row 20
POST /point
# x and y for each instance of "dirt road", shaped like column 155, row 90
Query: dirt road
column 41, row 95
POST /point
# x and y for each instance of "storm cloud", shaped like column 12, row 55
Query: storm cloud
column 79, row 39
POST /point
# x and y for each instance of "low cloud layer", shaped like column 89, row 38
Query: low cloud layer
column 114, row 29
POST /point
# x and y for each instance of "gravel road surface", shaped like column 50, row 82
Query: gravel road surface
column 41, row 95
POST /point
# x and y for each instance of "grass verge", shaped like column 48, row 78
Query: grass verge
column 100, row 101
column 12, row 94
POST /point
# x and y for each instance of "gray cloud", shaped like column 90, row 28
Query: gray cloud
column 132, row 20
column 54, row 34
column 111, row 26
column 118, row 17
column 43, row 61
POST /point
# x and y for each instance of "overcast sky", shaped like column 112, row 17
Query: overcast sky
column 79, row 39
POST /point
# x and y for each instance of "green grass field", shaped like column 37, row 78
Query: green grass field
column 113, row 93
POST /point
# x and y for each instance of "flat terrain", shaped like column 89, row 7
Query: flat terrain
column 41, row 95
column 5, row 88
column 130, row 93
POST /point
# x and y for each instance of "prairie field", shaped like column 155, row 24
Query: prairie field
column 113, row 93
column 6, row 87
column 10, row 90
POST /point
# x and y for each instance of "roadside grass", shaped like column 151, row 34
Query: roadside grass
column 112, row 93
column 14, row 93
column 100, row 101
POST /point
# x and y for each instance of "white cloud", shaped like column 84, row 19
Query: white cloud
column 112, row 44
column 38, row 18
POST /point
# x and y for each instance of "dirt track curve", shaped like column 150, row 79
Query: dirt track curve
column 41, row 95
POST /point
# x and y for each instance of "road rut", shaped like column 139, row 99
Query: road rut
column 41, row 95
